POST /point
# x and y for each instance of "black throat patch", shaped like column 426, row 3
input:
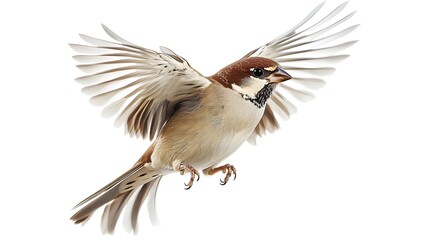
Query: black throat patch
column 262, row 96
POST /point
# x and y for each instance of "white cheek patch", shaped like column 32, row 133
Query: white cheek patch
column 250, row 86
column 237, row 88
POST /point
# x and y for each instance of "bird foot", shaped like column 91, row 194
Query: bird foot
column 183, row 168
column 228, row 169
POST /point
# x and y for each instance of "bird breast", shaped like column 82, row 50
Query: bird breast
column 206, row 130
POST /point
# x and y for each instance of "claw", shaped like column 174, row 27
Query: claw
column 183, row 168
column 234, row 171
column 223, row 182
column 228, row 169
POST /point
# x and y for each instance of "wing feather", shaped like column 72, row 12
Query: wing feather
column 307, row 52
column 138, row 85
column 318, row 51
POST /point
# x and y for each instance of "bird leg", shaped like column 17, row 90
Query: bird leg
column 227, row 168
column 183, row 168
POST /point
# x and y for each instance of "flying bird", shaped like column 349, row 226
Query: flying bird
column 196, row 121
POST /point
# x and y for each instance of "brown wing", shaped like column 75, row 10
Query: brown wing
column 138, row 85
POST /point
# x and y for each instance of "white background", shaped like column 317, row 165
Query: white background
column 353, row 164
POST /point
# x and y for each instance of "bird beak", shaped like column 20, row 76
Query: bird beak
column 279, row 76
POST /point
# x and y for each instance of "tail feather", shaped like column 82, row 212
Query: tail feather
column 112, row 212
column 118, row 193
column 110, row 185
column 151, row 204
column 140, row 198
column 86, row 211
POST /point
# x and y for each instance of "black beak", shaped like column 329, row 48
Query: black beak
column 279, row 76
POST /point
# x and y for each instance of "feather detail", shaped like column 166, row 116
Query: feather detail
column 304, row 53
column 116, row 194
column 138, row 85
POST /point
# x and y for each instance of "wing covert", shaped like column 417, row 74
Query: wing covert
column 139, row 86
column 307, row 52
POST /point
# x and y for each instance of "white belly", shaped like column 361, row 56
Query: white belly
column 205, row 136
column 218, row 150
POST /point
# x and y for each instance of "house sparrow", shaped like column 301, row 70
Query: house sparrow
column 196, row 122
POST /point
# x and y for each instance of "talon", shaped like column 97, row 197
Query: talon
column 228, row 169
column 187, row 186
column 222, row 182
column 183, row 168
column 234, row 171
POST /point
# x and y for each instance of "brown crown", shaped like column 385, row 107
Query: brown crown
column 239, row 70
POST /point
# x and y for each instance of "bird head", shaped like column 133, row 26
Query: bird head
column 254, row 78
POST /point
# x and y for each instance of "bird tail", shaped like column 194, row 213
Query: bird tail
column 139, row 179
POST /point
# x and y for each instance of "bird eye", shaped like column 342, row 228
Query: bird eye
column 258, row 72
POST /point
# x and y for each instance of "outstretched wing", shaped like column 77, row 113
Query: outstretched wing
column 138, row 85
column 307, row 52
